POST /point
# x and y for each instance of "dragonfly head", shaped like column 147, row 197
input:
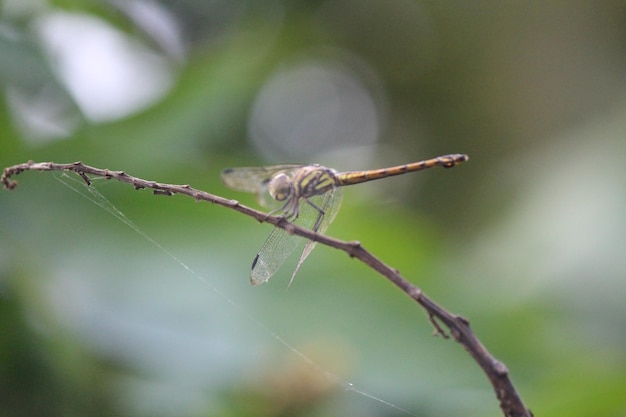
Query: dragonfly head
column 280, row 187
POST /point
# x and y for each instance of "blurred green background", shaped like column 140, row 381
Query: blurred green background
column 527, row 240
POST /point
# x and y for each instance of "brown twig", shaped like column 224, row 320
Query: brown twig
column 510, row 402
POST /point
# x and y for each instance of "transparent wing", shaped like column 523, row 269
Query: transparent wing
column 330, row 203
column 254, row 179
column 280, row 244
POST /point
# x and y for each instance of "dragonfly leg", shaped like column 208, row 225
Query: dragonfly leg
column 288, row 211
column 320, row 216
column 291, row 209
column 273, row 213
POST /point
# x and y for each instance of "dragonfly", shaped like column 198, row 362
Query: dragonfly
column 309, row 196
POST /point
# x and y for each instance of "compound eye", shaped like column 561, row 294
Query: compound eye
column 280, row 187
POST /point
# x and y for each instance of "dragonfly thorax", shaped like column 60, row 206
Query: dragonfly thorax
column 313, row 180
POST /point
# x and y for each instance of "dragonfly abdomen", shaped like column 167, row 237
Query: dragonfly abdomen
column 356, row 177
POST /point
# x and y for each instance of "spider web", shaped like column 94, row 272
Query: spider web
column 93, row 195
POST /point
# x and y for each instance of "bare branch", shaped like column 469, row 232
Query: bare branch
column 510, row 402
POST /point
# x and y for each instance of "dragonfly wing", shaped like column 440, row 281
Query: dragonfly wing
column 253, row 179
column 278, row 246
column 329, row 203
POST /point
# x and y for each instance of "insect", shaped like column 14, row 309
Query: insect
column 310, row 196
